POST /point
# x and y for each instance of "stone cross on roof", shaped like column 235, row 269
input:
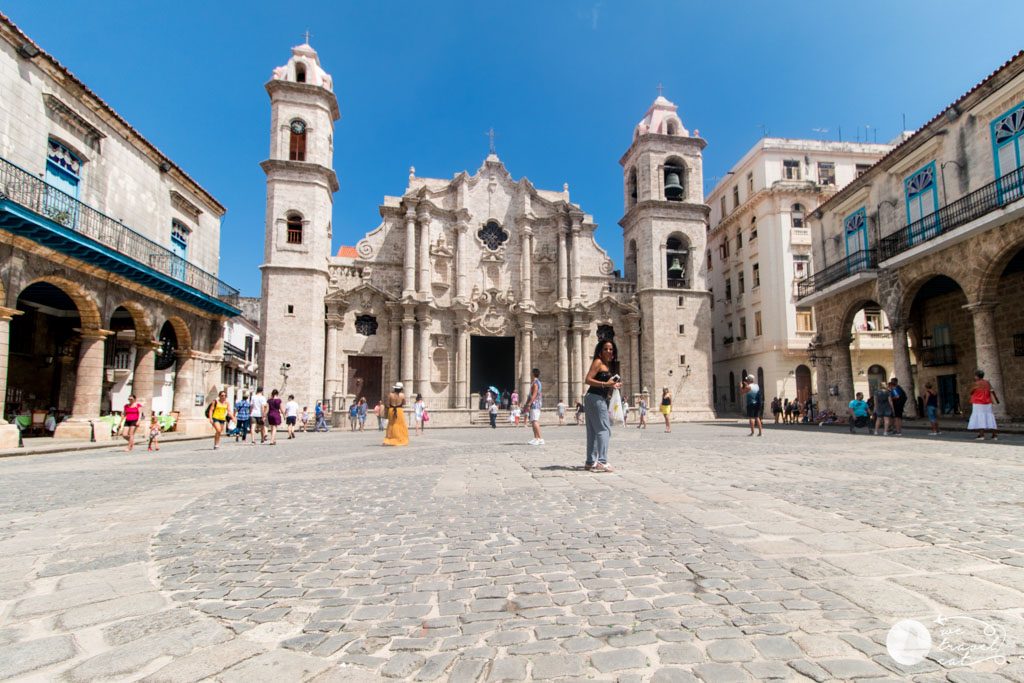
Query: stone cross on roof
column 490, row 135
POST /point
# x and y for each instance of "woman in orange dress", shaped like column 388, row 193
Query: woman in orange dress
column 398, row 431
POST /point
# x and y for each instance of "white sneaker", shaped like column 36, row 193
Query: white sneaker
column 533, row 442
column 540, row 442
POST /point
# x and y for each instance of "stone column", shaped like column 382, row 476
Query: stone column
column 563, row 278
column 88, row 390
column 408, row 340
column 838, row 374
column 459, row 400
column 901, row 367
column 577, row 290
column 563, row 366
column 331, row 379
column 635, row 381
column 8, row 432
column 527, row 333
column 409, row 283
column 394, row 368
column 525, row 275
column 460, row 268
column 424, row 262
column 191, row 419
column 423, row 366
column 986, row 351
column 145, row 369
column 576, row 378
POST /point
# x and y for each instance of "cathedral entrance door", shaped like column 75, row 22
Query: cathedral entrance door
column 365, row 378
column 492, row 362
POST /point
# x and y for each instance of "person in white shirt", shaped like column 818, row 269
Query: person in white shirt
column 258, row 412
column 291, row 415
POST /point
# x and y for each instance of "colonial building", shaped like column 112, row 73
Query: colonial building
column 108, row 258
column 241, row 349
column 471, row 281
column 759, row 249
column 933, row 235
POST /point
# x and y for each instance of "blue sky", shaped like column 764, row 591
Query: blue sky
column 563, row 83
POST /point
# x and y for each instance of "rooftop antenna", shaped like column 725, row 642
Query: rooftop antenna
column 764, row 130
column 840, row 133
column 904, row 123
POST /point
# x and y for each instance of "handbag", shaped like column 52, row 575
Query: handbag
column 426, row 415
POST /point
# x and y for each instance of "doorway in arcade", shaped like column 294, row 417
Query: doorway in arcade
column 492, row 364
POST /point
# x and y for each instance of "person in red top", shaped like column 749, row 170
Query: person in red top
column 982, row 398
column 130, row 418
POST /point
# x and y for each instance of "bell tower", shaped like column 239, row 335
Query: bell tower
column 297, row 243
column 664, row 232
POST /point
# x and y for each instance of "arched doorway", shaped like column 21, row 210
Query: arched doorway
column 803, row 383
column 877, row 377
column 43, row 352
column 942, row 331
column 871, row 343
column 1010, row 333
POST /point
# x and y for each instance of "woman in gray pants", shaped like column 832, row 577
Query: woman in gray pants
column 601, row 379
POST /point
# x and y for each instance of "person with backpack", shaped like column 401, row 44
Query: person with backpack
column 899, row 402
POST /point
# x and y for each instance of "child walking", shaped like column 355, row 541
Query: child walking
column 154, row 434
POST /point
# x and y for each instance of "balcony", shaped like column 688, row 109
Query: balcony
column 932, row 356
column 621, row 286
column 31, row 208
column 857, row 262
column 995, row 195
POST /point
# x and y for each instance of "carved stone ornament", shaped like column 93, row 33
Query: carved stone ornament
column 607, row 267
column 493, row 312
column 545, row 254
column 364, row 249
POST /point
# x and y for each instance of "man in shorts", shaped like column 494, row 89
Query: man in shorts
column 536, row 401
column 258, row 411
column 751, row 392
column 291, row 415
column 859, row 413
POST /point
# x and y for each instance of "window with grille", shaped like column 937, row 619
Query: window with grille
column 294, row 226
column 492, row 235
column 366, row 325
column 796, row 214
column 804, row 321
column 791, row 169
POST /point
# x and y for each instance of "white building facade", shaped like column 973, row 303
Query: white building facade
column 472, row 281
column 759, row 249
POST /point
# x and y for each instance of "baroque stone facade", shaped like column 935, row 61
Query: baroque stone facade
column 471, row 282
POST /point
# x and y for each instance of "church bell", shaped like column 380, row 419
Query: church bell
column 673, row 186
column 675, row 271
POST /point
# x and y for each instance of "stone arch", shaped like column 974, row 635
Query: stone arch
column 88, row 311
column 143, row 326
column 913, row 286
column 182, row 332
column 988, row 283
column 846, row 320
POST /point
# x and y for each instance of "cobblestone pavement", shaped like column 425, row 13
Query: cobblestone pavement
column 470, row 556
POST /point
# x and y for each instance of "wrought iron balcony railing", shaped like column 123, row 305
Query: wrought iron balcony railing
column 995, row 195
column 857, row 262
column 37, row 196
column 938, row 355
column 232, row 351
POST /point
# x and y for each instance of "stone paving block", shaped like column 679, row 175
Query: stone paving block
column 731, row 650
column 777, row 648
column 132, row 656
column 721, row 673
column 618, row 660
column 680, row 654
column 278, row 665
column 466, row 671
column 851, row 668
column 110, row 610
column 546, row 667
column 766, row 671
column 671, row 675
column 402, row 665
column 23, row 657
column 504, row 638
column 205, row 663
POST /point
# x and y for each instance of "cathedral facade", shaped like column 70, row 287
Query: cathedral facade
column 470, row 282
